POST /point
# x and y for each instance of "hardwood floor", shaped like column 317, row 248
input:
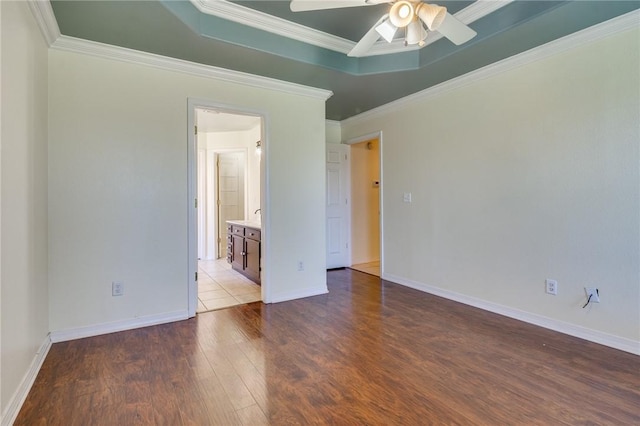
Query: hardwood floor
column 367, row 353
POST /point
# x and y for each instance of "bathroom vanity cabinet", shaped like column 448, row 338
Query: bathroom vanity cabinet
column 244, row 248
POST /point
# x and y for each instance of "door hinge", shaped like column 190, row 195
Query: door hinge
column 219, row 240
column 195, row 203
column 195, row 129
column 196, row 276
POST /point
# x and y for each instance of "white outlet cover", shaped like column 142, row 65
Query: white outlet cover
column 594, row 291
column 117, row 288
column 551, row 286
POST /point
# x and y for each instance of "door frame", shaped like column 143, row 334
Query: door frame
column 192, row 235
column 363, row 138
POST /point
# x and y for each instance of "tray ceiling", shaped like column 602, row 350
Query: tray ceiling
column 266, row 38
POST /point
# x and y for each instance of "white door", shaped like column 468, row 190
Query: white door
column 230, row 168
column 337, row 206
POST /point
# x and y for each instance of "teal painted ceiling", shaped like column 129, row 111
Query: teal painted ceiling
column 177, row 28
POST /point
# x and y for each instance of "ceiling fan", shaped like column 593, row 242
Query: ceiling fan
column 409, row 15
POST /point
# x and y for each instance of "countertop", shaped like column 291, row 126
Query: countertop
column 248, row 223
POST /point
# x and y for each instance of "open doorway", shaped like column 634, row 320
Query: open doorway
column 228, row 186
column 365, row 206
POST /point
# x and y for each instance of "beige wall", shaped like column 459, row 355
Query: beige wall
column 365, row 202
column 118, row 188
column 529, row 174
column 23, row 242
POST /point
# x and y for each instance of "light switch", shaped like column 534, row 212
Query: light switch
column 406, row 197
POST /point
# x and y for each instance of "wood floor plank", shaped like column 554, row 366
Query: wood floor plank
column 368, row 352
column 252, row 416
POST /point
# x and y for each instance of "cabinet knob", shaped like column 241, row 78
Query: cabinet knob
column 244, row 253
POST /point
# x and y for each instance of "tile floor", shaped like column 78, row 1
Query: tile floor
column 219, row 286
column 372, row 268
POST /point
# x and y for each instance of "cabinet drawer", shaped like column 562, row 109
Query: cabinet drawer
column 254, row 234
column 237, row 230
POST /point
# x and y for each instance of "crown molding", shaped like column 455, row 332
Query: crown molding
column 480, row 9
column 262, row 21
column 589, row 35
column 101, row 50
column 43, row 13
column 332, row 123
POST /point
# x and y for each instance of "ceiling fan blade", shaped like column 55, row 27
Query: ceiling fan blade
column 368, row 40
column 455, row 30
column 305, row 5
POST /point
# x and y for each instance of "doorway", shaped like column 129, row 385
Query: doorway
column 227, row 178
column 365, row 206
column 222, row 192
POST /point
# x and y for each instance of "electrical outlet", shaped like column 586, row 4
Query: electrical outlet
column 551, row 286
column 594, row 293
column 300, row 265
column 117, row 288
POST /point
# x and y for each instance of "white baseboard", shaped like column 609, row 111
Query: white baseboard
column 15, row 403
column 595, row 336
column 112, row 327
column 299, row 294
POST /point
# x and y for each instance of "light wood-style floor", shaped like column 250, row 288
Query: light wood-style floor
column 368, row 353
column 371, row 268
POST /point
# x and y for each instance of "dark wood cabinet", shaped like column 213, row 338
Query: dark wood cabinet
column 244, row 250
column 252, row 255
column 237, row 252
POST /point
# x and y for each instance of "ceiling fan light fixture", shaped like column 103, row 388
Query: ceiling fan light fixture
column 431, row 14
column 401, row 13
column 415, row 32
column 387, row 30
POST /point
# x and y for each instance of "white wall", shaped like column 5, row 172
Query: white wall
column 529, row 174
column 23, row 167
column 118, row 188
column 333, row 131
